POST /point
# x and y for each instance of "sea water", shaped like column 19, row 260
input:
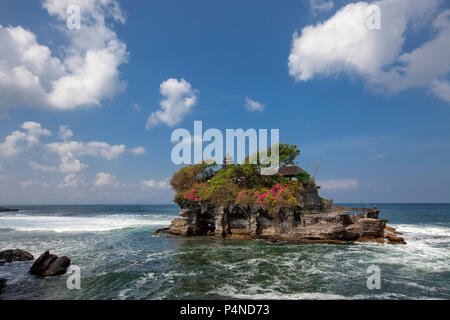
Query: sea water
column 120, row 258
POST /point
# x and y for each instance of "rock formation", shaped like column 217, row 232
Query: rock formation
column 314, row 219
column 15, row 255
column 50, row 265
column 7, row 209
column 238, row 201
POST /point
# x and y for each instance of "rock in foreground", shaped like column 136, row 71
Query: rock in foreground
column 15, row 255
column 50, row 265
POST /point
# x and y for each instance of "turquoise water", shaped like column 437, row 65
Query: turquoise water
column 120, row 258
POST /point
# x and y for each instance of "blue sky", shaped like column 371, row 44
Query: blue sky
column 372, row 107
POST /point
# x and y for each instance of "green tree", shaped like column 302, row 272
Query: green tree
column 287, row 154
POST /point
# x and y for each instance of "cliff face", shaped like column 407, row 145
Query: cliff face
column 313, row 219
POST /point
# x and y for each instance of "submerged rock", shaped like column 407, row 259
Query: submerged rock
column 15, row 255
column 50, row 265
column 312, row 220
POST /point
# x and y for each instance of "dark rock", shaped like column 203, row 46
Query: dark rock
column 392, row 236
column 42, row 263
column 21, row 255
column 8, row 210
column 15, row 255
column 50, row 265
column 57, row 266
column 162, row 230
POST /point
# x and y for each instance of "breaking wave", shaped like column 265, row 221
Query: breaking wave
column 20, row 222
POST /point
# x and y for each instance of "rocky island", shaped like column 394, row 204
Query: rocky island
column 8, row 210
column 235, row 201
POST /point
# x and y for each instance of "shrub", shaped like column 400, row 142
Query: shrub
column 186, row 177
column 219, row 190
column 278, row 197
column 244, row 198
column 303, row 177
column 241, row 184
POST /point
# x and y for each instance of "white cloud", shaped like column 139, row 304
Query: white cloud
column 339, row 184
column 86, row 72
column 252, row 105
column 19, row 140
column 138, row 150
column 67, row 151
column 178, row 99
column 321, row 5
column 343, row 43
column 105, row 179
column 441, row 88
column 92, row 148
column 70, row 164
column 28, row 183
column 70, row 181
column 136, row 107
column 163, row 184
column 37, row 166
column 65, row 133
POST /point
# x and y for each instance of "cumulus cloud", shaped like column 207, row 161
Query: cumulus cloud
column 321, row 5
column 37, row 166
column 68, row 164
column 70, row 181
column 345, row 44
column 178, row 99
column 105, row 179
column 83, row 75
column 163, row 184
column 339, row 184
column 28, row 183
column 67, row 151
column 138, row 150
column 92, row 148
column 65, row 133
column 441, row 88
column 136, row 107
column 19, row 140
column 252, row 105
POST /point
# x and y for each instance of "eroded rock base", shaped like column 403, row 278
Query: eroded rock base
column 317, row 221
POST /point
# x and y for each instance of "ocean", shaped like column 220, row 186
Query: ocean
column 120, row 258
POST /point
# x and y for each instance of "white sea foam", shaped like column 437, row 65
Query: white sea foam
column 423, row 230
column 258, row 293
column 80, row 224
column 426, row 249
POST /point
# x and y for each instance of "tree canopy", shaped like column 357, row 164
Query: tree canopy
column 241, row 184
